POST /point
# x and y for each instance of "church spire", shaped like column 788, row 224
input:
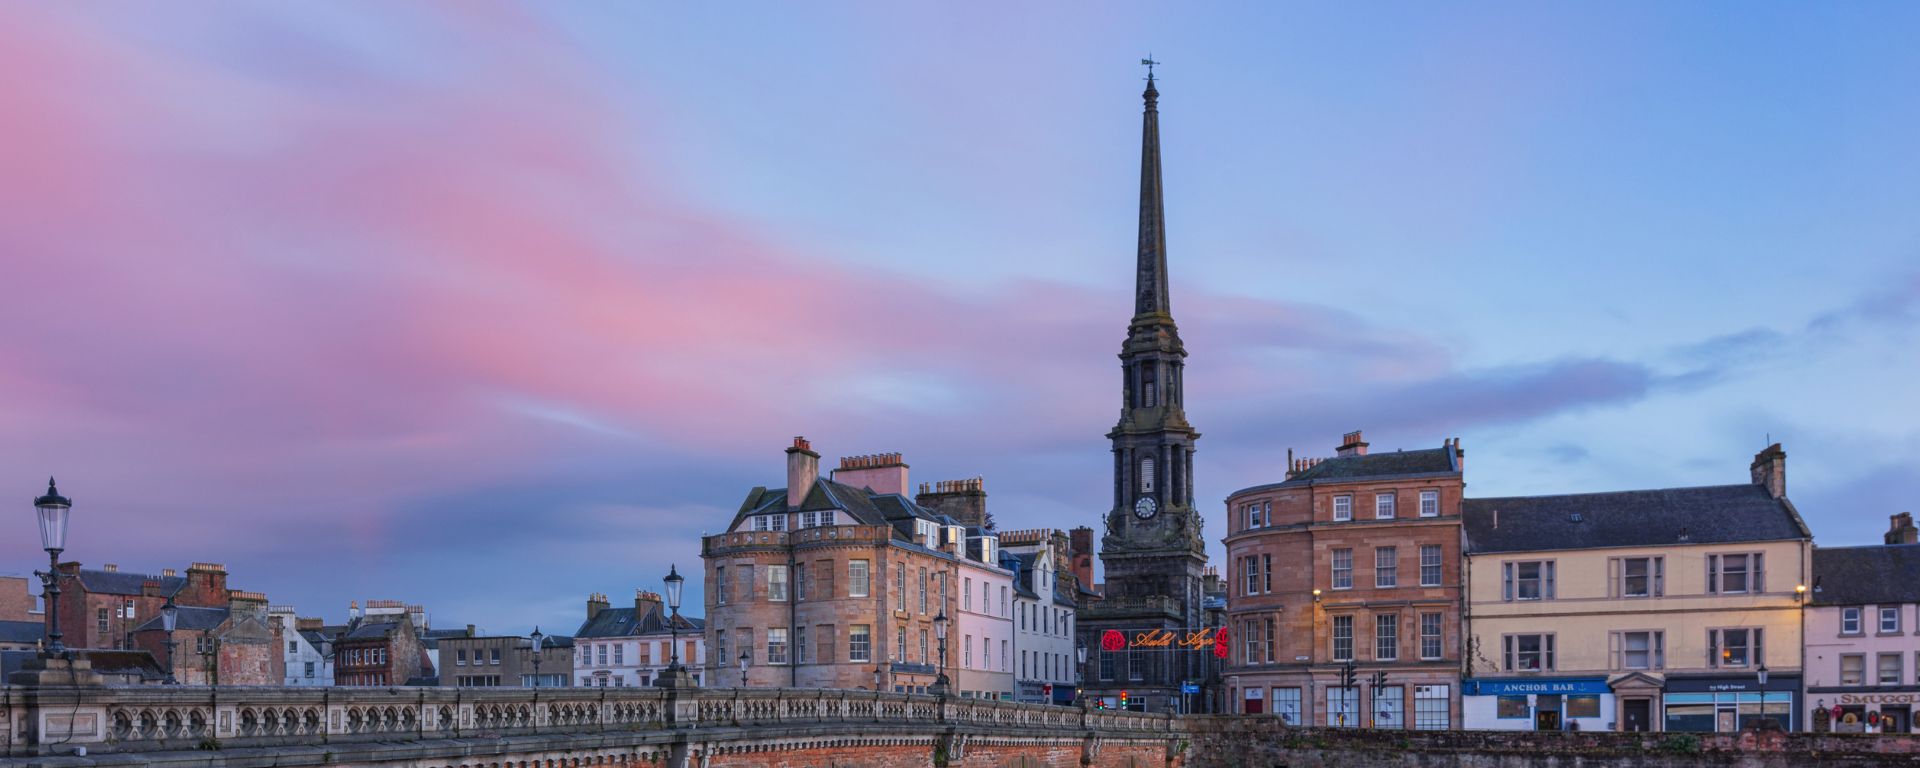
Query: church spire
column 1151, row 289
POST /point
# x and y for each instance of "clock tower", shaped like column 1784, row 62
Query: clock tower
column 1153, row 551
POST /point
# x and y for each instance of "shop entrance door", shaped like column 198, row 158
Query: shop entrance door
column 1546, row 713
column 1726, row 722
column 1901, row 719
column 1639, row 714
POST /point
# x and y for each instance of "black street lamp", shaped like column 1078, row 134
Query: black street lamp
column 53, row 510
column 746, row 660
column 940, row 630
column 539, row 644
column 1761, row 673
column 1080, row 651
column 169, row 619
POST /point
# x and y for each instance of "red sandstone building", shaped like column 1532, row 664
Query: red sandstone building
column 223, row 634
column 1351, row 559
column 835, row 583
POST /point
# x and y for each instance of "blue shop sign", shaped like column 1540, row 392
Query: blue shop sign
column 1536, row 685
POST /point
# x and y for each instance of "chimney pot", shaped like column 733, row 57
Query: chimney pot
column 111, row 568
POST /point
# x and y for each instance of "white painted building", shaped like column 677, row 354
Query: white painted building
column 625, row 647
column 1045, row 665
column 980, row 643
column 305, row 651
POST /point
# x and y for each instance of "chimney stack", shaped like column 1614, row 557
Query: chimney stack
column 803, row 468
column 1351, row 445
column 882, row 472
column 1080, row 555
column 110, row 568
column 1769, row 470
column 353, row 610
column 168, row 573
column 962, row 500
column 596, row 603
column 645, row 602
column 1901, row 531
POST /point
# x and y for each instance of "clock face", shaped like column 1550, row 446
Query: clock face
column 1145, row 508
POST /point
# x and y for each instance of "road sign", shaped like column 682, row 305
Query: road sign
column 1189, row 688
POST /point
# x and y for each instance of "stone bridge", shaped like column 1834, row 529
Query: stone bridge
column 51, row 726
column 248, row 727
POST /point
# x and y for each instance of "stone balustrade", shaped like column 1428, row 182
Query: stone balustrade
column 105, row 719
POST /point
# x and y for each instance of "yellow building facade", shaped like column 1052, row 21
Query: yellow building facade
column 1675, row 609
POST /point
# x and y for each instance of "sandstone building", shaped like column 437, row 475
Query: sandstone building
column 1663, row 610
column 836, row 582
column 1353, row 559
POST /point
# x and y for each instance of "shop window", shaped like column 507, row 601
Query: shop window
column 1583, row 705
column 1512, row 708
column 1390, row 707
column 1343, row 707
column 1286, row 704
column 1432, row 707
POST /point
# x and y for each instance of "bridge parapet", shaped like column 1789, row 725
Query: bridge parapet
column 105, row 719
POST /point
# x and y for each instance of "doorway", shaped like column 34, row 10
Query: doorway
column 1639, row 714
column 1902, row 719
column 1546, row 713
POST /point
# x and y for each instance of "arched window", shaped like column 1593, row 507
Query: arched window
column 1146, row 475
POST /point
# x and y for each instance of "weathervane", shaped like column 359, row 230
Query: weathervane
column 1149, row 63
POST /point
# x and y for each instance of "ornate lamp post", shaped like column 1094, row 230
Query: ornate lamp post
column 53, row 509
column 746, row 660
column 539, row 644
column 676, row 675
column 169, row 619
column 940, row 630
column 1761, row 674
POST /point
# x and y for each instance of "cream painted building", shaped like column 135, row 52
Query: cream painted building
column 1662, row 610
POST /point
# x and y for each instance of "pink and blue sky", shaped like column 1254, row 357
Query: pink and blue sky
column 489, row 306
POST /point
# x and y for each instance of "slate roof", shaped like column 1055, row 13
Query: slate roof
column 370, row 630
column 1879, row 574
column 199, row 619
column 619, row 622
column 123, row 583
column 1715, row 514
column 432, row 637
column 1341, row 469
column 860, row 506
column 28, row 632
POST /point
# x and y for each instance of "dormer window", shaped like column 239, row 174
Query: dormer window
column 816, row 519
column 770, row 522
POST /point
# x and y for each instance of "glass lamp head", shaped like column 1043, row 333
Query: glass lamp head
column 53, row 509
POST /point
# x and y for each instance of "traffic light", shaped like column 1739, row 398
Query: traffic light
column 1123, row 699
column 1348, row 678
column 1379, row 679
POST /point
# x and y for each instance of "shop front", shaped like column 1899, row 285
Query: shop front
column 1854, row 709
column 1726, row 704
column 1538, row 704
